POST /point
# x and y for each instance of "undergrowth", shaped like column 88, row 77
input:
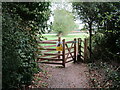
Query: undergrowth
column 104, row 75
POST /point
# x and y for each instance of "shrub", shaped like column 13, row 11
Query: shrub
column 104, row 75
column 106, row 46
column 18, row 55
column 19, row 42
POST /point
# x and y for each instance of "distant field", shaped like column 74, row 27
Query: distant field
column 67, row 37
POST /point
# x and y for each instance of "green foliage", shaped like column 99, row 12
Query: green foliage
column 107, row 73
column 63, row 22
column 105, row 17
column 21, row 22
column 108, row 17
column 97, row 39
column 86, row 11
column 106, row 47
column 104, row 14
column 107, row 44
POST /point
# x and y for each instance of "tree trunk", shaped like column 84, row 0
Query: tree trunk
column 59, row 34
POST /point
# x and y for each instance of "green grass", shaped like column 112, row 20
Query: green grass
column 67, row 37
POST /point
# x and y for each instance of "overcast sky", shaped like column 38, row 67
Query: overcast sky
column 64, row 5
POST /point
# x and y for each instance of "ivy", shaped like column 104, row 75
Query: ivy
column 21, row 23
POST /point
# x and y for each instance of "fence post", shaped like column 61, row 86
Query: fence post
column 85, row 48
column 63, row 52
column 75, row 53
column 79, row 50
column 59, row 39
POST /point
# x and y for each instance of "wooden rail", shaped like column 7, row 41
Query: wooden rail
column 49, row 46
column 52, row 54
column 47, row 49
column 46, row 42
column 53, row 59
column 74, row 52
column 69, row 42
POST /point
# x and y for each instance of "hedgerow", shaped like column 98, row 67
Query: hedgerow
column 21, row 23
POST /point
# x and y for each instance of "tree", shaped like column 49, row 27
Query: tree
column 109, row 24
column 104, row 14
column 87, row 12
column 21, row 23
column 63, row 22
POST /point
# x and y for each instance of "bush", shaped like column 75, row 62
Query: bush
column 19, row 42
column 104, row 75
column 18, row 55
column 106, row 46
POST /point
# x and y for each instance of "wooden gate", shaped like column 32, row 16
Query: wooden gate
column 82, row 53
column 72, row 50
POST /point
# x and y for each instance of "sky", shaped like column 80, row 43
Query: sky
column 67, row 6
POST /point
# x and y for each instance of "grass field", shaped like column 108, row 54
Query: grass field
column 68, row 37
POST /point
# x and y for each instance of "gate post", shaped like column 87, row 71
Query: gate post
column 75, row 53
column 63, row 53
column 79, row 50
column 59, row 39
column 85, row 49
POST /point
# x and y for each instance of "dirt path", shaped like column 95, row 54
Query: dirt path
column 73, row 76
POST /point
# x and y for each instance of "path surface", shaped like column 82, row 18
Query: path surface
column 72, row 76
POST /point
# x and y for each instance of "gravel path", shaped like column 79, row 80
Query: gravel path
column 72, row 76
